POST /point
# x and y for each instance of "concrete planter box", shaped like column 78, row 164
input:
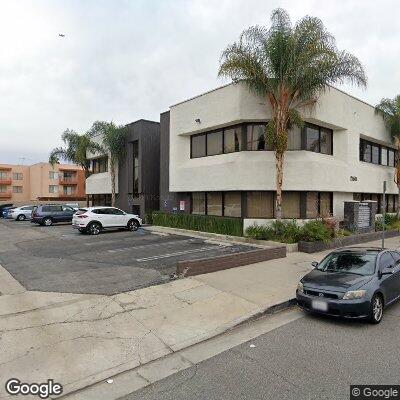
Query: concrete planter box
column 314, row 247
column 206, row 265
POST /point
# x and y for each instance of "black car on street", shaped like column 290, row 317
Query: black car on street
column 352, row 282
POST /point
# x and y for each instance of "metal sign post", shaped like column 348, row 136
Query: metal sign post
column 383, row 214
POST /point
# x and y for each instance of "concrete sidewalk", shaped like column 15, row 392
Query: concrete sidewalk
column 78, row 340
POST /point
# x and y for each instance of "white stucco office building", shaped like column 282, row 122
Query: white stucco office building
column 220, row 164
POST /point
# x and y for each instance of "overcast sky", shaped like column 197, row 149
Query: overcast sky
column 123, row 60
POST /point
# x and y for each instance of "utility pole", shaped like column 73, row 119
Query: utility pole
column 383, row 214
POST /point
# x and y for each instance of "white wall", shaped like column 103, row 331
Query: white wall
column 304, row 170
column 100, row 183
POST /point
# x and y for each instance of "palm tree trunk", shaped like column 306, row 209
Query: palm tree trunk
column 279, row 157
column 87, row 174
column 112, row 186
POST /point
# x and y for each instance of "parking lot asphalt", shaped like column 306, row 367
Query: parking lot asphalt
column 60, row 259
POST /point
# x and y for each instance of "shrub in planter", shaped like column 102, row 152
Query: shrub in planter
column 316, row 231
column 280, row 231
column 203, row 223
column 148, row 219
column 260, row 232
column 286, row 231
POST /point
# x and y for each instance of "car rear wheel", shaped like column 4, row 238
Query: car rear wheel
column 47, row 221
column 21, row 217
column 376, row 311
column 133, row 225
column 94, row 228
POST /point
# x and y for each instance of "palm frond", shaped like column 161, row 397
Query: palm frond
column 390, row 111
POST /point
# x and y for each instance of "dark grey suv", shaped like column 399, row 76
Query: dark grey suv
column 352, row 282
column 48, row 214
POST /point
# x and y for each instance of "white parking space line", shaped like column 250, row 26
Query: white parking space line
column 147, row 245
column 178, row 253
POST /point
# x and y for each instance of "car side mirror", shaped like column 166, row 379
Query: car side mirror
column 314, row 264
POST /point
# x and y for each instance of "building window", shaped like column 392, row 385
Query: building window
column 17, row 176
column 375, row 150
column 325, row 204
column 17, row 189
column 228, row 140
column 312, row 138
column 100, row 165
column 3, row 188
column 53, row 175
column 53, row 188
column 376, row 154
column 384, row 156
column 233, row 139
column 318, row 139
column 198, row 203
column 294, row 138
column 232, row 204
column 312, row 205
column 326, row 141
column 291, row 204
column 136, row 167
column 214, row 143
column 69, row 190
column 257, row 137
column 4, row 175
column 198, row 146
column 214, row 203
column 318, row 204
column 68, row 176
column 101, row 199
column 391, row 158
column 260, row 205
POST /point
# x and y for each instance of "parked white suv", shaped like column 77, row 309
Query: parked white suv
column 21, row 213
column 94, row 219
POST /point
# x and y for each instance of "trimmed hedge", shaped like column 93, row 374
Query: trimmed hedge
column 204, row 223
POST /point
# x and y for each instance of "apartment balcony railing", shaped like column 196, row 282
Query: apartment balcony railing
column 68, row 181
column 5, row 181
column 68, row 195
column 5, row 195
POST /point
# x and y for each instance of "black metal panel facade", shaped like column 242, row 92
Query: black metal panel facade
column 147, row 135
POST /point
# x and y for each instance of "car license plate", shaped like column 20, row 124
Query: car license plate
column 319, row 305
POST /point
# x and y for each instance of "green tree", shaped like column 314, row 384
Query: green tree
column 390, row 111
column 290, row 66
column 113, row 144
column 75, row 150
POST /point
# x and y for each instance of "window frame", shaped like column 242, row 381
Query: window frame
column 319, row 128
column 381, row 148
column 97, row 162
column 17, row 189
column 248, row 148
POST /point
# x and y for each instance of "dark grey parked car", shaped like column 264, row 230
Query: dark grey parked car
column 352, row 282
column 48, row 214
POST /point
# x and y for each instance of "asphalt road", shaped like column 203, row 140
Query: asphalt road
column 60, row 259
column 309, row 358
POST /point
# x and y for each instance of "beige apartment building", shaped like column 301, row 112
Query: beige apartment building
column 22, row 184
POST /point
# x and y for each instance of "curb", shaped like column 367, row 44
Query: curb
column 268, row 311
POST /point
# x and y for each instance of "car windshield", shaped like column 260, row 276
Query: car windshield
column 349, row 262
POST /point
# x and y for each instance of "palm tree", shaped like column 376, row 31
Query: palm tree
column 390, row 111
column 75, row 151
column 113, row 144
column 290, row 66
